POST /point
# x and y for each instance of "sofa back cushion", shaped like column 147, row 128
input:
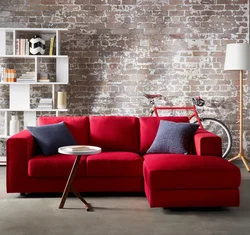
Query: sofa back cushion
column 149, row 127
column 115, row 133
column 78, row 126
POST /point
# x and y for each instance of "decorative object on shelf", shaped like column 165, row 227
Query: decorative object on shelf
column 27, row 77
column 43, row 77
column 45, row 103
column 14, row 125
column 7, row 75
column 2, row 74
column 61, row 100
column 37, row 46
column 238, row 58
column 12, row 75
column 52, row 46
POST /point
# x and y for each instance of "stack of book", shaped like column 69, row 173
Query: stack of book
column 22, row 46
column 28, row 77
column 45, row 103
column 43, row 77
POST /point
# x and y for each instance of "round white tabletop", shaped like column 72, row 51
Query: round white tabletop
column 79, row 149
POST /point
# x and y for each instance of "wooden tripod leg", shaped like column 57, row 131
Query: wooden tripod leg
column 234, row 158
column 245, row 163
column 87, row 205
column 69, row 182
column 247, row 159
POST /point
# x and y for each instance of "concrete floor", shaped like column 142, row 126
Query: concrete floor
column 117, row 215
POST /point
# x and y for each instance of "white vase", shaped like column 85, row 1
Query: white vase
column 14, row 125
column 61, row 100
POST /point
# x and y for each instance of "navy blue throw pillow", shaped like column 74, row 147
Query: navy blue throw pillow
column 173, row 137
column 51, row 137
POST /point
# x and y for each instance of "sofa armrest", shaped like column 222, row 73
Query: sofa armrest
column 207, row 143
column 19, row 149
column 21, row 144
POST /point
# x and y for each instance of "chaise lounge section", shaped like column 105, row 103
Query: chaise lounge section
column 190, row 181
column 200, row 178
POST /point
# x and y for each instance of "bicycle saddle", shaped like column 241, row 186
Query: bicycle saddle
column 152, row 96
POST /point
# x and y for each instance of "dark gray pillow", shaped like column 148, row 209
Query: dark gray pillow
column 173, row 137
column 52, row 136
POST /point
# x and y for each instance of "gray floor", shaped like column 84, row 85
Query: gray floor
column 117, row 215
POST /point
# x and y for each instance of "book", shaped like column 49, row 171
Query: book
column 78, row 148
column 47, row 108
column 51, row 48
column 43, row 80
column 28, row 75
column 17, row 46
column 25, row 80
column 27, row 47
column 46, row 100
column 22, row 46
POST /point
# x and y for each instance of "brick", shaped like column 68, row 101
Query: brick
column 232, row 1
column 175, row 2
column 129, row 2
column 93, row 2
column 200, row 53
column 49, row 2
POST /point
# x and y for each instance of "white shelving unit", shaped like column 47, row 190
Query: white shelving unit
column 19, row 92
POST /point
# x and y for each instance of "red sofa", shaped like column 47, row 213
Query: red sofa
column 169, row 180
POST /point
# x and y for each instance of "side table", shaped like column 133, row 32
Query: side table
column 77, row 150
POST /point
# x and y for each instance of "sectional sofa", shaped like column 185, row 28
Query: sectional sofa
column 200, row 178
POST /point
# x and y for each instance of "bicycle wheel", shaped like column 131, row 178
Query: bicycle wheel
column 219, row 128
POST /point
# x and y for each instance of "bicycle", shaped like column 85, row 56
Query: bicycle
column 211, row 124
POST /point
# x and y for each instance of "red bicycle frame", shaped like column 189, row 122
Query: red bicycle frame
column 192, row 108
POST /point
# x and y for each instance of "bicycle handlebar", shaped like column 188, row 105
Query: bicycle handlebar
column 196, row 100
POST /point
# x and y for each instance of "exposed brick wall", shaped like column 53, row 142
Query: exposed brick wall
column 119, row 49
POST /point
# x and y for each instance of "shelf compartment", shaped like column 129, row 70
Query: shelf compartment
column 54, row 66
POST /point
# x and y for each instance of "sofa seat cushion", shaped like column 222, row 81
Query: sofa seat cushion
column 58, row 165
column 177, row 171
column 112, row 164
column 115, row 133
column 149, row 127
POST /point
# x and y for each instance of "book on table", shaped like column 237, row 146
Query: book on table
column 78, row 148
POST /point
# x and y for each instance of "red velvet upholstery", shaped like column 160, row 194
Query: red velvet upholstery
column 203, row 142
column 169, row 180
column 78, row 126
column 192, row 198
column 172, row 180
column 113, row 164
column 19, row 149
column 55, row 166
column 178, row 171
column 114, row 133
column 149, row 127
